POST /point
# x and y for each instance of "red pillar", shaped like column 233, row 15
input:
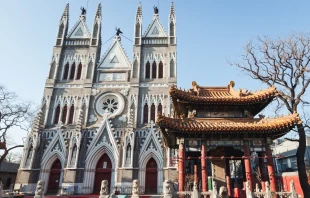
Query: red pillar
column 271, row 174
column 204, row 170
column 181, row 167
column 227, row 173
column 262, row 170
column 195, row 174
column 247, row 163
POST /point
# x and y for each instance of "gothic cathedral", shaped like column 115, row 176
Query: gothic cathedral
column 98, row 113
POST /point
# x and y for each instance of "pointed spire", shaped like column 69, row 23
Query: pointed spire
column 139, row 10
column 66, row 11
column 172, row 9
column 98, row 13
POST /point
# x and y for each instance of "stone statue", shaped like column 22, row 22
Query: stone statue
column 268, row 191
column 155, row 10
column 195, row 193
column 292, row 190
column 83, row 11
column 104, row 190
column 135, row 189
column 1, row 189
column 118, row 31
column 214, row 191
column 257, row 188
column 168, row 189
column 39, row 190
column 223, row 192
column 248, row 192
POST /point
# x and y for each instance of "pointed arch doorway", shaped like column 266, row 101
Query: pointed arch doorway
column 151, row 177
column 103, row 172
column 54, row 178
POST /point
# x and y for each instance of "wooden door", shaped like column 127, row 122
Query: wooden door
column 103, row 172
column 151, row 177
column 54, row 178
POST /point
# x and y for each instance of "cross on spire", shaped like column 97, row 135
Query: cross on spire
column 152, row 124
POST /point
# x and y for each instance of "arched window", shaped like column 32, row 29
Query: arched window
column 66, row 71
column 137, row 30
column 154, row 70
column 64, row 114
column 79, row 72
column 145, row 113
column 153, row 112
column 71, row 114
column 72, row 71
column 160, row 70
column 95, row 33
column 147, row 70
column 172, row 70
column 171, row 29
column 89, row 70
column 135, row 69
column 160, row 109
column 57, row 114
column 61, row 29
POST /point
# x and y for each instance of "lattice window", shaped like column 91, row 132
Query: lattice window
column 79, row 72
column 57, row 113
column 72, row 71
column 153, row 112
column 71, row 114
column 145, row 113
column 160, row 109
column 64, row 114
column 147, row 70
column 154, row 70
column 160, row 70
column 66, row 71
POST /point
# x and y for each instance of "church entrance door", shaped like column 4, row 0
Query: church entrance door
column 54, row 178
column 103, row 172
column 151, row 177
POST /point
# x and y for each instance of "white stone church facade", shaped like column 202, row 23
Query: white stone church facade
column 98, row 111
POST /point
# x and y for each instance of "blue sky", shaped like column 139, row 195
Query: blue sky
column 208, row 34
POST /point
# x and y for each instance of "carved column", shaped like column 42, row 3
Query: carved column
column 227, row 173
column 247, row 164
column 181, row 167
column 204, row 170
column 270, row 167
column 262, row 170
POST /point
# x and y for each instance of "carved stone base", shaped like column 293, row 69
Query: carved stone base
column 39, row 196
column 135, row 196
column 104, row 196
column 168, row 196
column 195, row 194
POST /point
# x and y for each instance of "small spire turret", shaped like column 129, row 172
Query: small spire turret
column 63, row 26
column 172, row 25
column 96, row 38
column 138, row 25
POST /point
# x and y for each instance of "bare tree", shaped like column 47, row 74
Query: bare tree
column 14, row 114
column 285, row 64
column 13, row 157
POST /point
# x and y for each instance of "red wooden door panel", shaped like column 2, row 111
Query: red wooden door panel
column 151, row 177
column 103, row 172
column 54, row 178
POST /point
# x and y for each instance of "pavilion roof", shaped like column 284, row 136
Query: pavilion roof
column 222, row 95
column 273, row 127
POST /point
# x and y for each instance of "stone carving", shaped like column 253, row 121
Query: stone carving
column 214, row 191
column 40, row 189
column 94, row 92
column 195, row 193
column 248, row 192
column 104, row 191
column 92, row 118
column 257, row 188
column 293, row 191
column 125, row 91
column 168, row 189
column 1, row 189
column 223, row 192
column 135, row 189
column 123, row 118
column 268, row 191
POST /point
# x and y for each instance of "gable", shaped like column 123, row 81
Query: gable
column 151, row 143
column 103, row 137
column 115, row 57
column 80, row 30
column 57, row 144
column 155, row 29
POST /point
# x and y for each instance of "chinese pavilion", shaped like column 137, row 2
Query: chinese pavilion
column 216, row 133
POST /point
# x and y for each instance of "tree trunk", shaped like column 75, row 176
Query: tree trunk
column 300, row 155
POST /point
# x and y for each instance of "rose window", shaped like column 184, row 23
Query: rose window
column 110, row 104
